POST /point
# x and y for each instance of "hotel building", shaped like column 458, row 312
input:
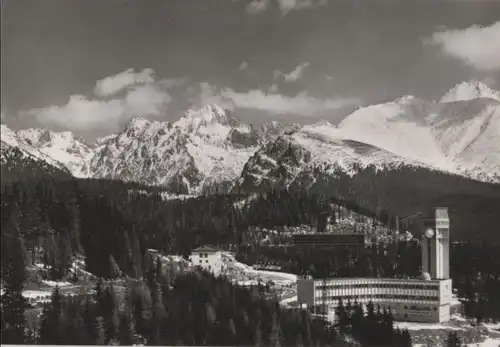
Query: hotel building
column 208, row 258
column 426, row 299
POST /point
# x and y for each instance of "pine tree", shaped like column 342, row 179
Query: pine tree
column 453, row 340
column 275, row 336
column 405, row 339
column 14, row 274
column 51, row 324
column 125, row 333
column 257, row 337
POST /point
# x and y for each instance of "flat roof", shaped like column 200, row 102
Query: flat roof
column 441, row 212
column 208, row 249
column 411, row 280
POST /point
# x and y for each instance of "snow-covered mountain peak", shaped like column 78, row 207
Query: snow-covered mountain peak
column 459, row 137
column 208, row 114
column 407, row 99
column 137, row 126
column 103, row 139
column 57, row 149
column 470, row 90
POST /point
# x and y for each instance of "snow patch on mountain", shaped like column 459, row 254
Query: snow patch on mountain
column 394, row 127
column 61, row 146
column 13, row 139
column 299, row 157
column 461, row 137
column 208, row 148
column 469, row 91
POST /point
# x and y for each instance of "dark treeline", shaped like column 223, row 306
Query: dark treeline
column 375, row 328
column 475, row 271
column 111, row 223
column 112, row 226
column 192, row 309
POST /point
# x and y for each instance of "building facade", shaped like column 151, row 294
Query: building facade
column 427, row 299
column 208, row 258
column 408, row 299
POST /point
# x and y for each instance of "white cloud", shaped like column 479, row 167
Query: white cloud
column 146, row 100
column 291, row 5
column 257, row 6
column 113, row 84
column 83, row 114
column 243, row 65
column 80, row 113
column 477, row 46
column 285, row 6
column 273, row 88
column 300, row 104
column 296, row 73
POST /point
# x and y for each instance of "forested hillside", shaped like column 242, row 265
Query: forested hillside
column 19, row 166
column 112, row 224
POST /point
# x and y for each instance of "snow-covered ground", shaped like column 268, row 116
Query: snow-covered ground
column 425, row 326
column 37, row 294
column 56, row 284
column 289, row 300
column 489, row 342
column 492, row 326
column 242, row 272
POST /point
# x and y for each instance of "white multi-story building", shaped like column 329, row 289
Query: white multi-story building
column 426, row 299
column 208, row 258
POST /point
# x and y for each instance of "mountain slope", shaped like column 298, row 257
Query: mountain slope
column 459, row 137
column 207, row 149
column 203, row 151
column 468, row 91
column 298, row 158
column 12, row 140
column 19, row 165
column 63, row 147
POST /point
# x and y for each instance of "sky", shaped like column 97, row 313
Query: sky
column 91, row 65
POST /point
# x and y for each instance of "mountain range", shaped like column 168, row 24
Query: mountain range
column 211, row 150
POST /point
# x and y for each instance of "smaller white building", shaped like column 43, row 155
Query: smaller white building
column 208, row 258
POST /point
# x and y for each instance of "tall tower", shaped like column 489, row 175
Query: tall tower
column 436, row 245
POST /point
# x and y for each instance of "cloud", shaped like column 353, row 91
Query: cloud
column 285, row 6
column 476, row 46
column 204, row 93
column 84, row 114
column 292, row 5
column 273, row 88
column 300, row 104
column 257, row 6
column 296, row 73
column 293, row 75
column 113, row 84
column 243, row 65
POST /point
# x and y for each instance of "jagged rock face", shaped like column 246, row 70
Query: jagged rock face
column 203, row 152
column 295, row 160
column 59, row 150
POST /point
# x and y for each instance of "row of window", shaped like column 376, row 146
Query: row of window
column 378, row 296
column 379, row 285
